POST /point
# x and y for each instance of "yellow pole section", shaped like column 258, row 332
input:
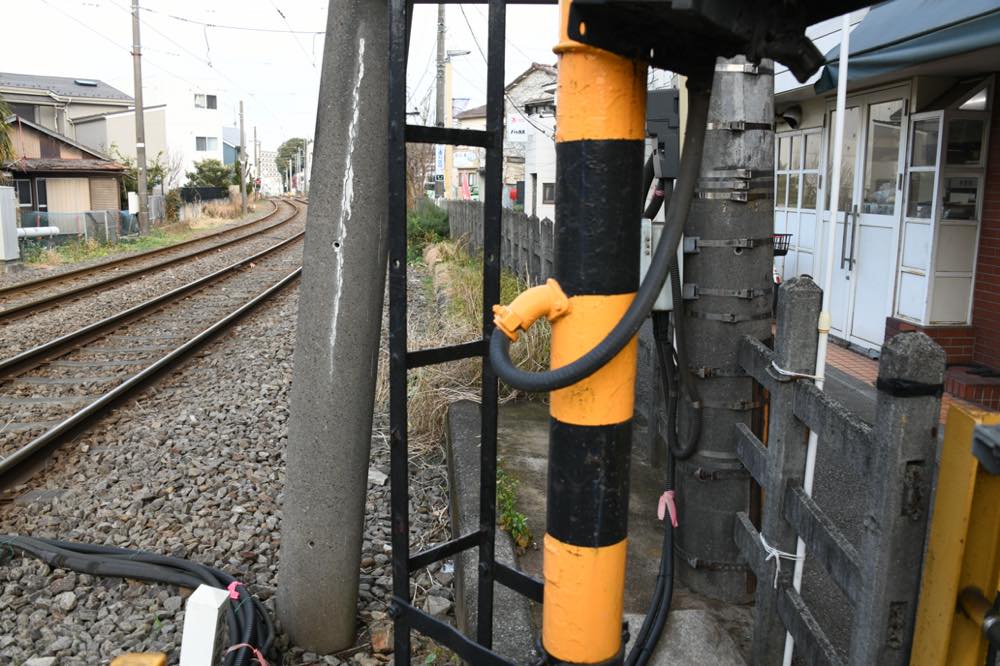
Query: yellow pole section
column 963, row 549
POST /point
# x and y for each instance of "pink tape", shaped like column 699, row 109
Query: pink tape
column 231, row 588
column 258, row 655
column 667, row 504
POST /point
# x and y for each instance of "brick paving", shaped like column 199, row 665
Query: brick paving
column 866, row 369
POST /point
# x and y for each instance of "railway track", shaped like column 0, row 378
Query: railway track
column 50, row 392
column 25, row 298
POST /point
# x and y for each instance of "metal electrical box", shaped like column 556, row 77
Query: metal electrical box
column 663, row 124
column 651, row 230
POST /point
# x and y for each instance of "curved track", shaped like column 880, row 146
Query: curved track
column 21, row 299
column 50, row 392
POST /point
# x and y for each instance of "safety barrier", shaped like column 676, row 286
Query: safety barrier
column 894, row 457
column 525, row 245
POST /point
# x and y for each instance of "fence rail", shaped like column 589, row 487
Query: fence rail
column 526, row 242
column 104, row 226
column 880, row 576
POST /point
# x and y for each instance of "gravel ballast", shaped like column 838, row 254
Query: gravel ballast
column 194, row 467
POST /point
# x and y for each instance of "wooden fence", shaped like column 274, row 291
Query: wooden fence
column 525, row 245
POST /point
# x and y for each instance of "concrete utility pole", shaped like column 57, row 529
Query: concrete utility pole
column 256, row 160
column 734, row 252
column 305, row 169
column 336, row 350
column 243, row 164
column 289, row 174
column 439, row 114
column 140, row 132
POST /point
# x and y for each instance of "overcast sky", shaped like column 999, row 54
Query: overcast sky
column 275, row 73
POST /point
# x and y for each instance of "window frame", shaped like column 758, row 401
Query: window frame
column 800, row 172
column 28, row 188
column 208, row 148
column 548, row 188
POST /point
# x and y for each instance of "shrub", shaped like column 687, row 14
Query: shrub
column 426, row 223
column 173, row 203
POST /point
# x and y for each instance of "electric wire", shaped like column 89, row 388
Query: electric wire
column 664, row 256
column 312, row 60
column 248, row 622
column 222, row 26
column 544, row 130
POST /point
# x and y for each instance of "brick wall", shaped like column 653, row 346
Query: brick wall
column 958, row 342
column 986, row 297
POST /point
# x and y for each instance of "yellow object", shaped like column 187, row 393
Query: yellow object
column 140, row 659
column 963, row 550
column 584, row 598
column 606, row 397
column 546, row 300
column 601, row 95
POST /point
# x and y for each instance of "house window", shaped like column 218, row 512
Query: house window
column 206, row 143
column 548, row 193
column 797, row 174
column 205, row 101
column 21, row 110
column 23, row 189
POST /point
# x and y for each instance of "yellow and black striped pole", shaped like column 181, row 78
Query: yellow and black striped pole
column 600, row 131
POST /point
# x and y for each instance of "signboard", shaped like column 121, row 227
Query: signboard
column 517, row 128
column 465, row 159
column 439, row 160
column 439, row 177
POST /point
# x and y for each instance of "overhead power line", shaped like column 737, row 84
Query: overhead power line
column 246, row 28
column 311, row 59
column 520, row 111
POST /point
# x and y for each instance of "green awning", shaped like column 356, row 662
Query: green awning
column 903, row 33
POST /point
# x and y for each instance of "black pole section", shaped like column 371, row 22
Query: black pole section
column 491, row 296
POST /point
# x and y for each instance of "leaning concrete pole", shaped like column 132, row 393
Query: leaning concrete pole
column 337, row 342
column 730, row 222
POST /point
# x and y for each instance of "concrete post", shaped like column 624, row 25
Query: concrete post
column 904, row 466
column 336, row 353
column 732, row 219
column 795, row 343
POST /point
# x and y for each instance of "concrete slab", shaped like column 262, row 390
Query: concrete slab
column 523, row 440
column 514, row 630
column 690, row 637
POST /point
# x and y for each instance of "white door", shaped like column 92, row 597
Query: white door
column 868, row 219
column 841, row 291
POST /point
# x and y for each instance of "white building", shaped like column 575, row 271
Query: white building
column 271, row 182
column 194, row 123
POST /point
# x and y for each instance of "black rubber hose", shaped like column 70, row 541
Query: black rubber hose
column 687, row 386
column 647, row 639
column 245, row 622
column 639, row 309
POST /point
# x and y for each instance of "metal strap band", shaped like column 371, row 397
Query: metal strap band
column 709, row 565
column 727, row 317
column 904, row 388
column 735, row 406
column 739, row 126
column 743, row 68
column 693, row 291
column 709, row 372
column 726, row 242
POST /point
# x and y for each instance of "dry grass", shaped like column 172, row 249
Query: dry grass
column 431, row 389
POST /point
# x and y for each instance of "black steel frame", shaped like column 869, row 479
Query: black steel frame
column 406, row 616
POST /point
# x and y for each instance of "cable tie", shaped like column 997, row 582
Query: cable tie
column 258, row 655
column 667, row 504
column 231, row 588
column 794, row 375
column 777, row 555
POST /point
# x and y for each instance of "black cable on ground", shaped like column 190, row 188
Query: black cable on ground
column 642, row 304
column 247, row 620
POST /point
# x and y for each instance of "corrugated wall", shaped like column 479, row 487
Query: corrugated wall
column 104, row 194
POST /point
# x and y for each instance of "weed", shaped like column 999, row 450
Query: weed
column 508, row 517
column 426, row 223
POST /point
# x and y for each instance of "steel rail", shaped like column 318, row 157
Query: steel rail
column 39, row 354
column 14, row 467
column 85, row 270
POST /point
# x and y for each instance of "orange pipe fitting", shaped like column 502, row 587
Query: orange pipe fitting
column 546, row 300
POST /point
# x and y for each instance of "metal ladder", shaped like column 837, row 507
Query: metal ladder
column 407, row 617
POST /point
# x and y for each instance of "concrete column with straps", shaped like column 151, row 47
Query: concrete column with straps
column 729, row 230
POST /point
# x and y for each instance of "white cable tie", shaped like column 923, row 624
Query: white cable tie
column 777, row 555
column 788, row 373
